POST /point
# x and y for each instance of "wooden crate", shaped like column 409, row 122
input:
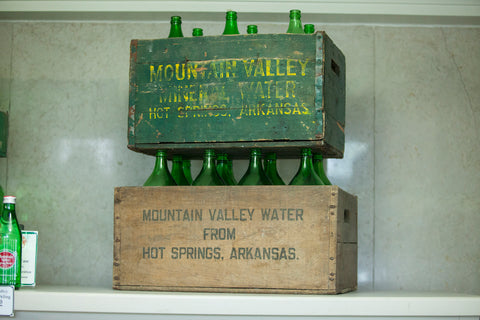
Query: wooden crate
column 278, row 92
column 262, row 239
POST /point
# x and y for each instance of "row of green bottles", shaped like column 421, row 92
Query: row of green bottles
column 231, row 26
column 217, row 170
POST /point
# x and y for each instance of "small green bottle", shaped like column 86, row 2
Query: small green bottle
column 255, row 175
column 306, row 175
column 271, row 169
column 309, row 28
column 160, row 175
column 223, row 170
column 208, row 176
column 187, row 172
column 318, row 167
column 1, row 197
column 252, row 29
column 10, row 245
column 177, row 171
column 231, row 23
column 197, row 32
column 175, row 27
column 295, row 25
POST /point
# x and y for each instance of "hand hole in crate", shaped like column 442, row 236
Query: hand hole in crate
column 346, row 216
column 335, row 67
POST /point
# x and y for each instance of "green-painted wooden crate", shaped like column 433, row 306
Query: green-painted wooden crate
column 279, row 92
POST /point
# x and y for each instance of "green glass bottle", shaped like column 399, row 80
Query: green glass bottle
column 175, row 27
column 160, row 175
column 306, row 175
column 177, row 171
column 318, row 167
column 1, row 197
column 197, row 32
column 187, row 172
column 255, row 175
column 309, row 28
column 252, row 29
column 208, row 176
column 231, row 23
column 295, row 25
column 230, row 171
column 223, row 169
column 271, row 169
column 10, row 245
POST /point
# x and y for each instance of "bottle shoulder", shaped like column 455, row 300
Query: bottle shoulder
column 10, row 230
column 208, row 177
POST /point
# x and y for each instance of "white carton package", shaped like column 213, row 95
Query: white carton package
column 29, row 258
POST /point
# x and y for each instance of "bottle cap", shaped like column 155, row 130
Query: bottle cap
column 231, row 15
column 295, row 13
column 176, row 19
column 197, row 32
column 309, row 28
column 252, row 29
column 9, row 199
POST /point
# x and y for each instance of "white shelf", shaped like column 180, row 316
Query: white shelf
column 361, row 11
column 371, row 304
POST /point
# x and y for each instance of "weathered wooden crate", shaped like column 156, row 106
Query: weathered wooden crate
column 262, row 239
column 279, row 92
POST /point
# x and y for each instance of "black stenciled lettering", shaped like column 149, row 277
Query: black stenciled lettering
column 282, row 214
column 219, row 234
column 196, row 253
column 162, row 215
column 153, row 252
column 263, row 253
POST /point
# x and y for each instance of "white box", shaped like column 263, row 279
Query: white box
column 29, row 258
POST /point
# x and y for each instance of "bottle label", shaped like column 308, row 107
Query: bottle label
column 7, row 259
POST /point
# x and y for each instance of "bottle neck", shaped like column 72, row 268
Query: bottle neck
column 161, row 162
column 177, row 162
column 307, row 163
column 255, row 160
column 175, row 32
column 295, row 25
column 231, row 23
column 9, row 207
column 8, row 212
column 178, row 170
column 209, row 161
column 175, row 27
